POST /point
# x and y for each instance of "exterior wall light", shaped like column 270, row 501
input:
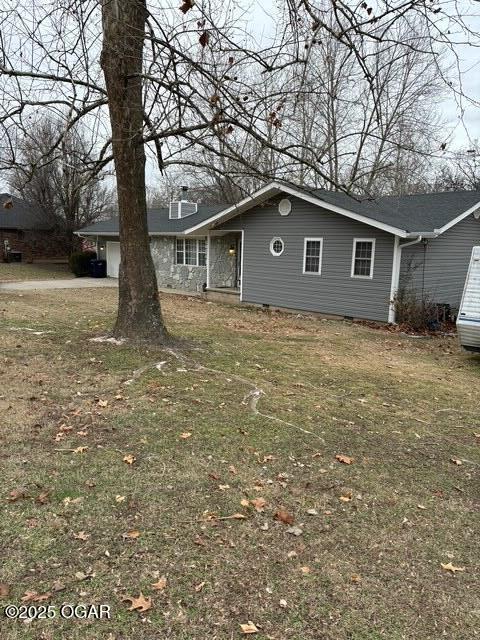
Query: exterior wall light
column 231, row 251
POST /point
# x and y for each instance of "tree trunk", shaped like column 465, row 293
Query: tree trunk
column 139, row 314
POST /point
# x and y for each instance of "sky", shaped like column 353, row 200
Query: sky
column 462, row 121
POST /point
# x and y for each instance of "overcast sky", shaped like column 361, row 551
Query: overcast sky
column 463, row 127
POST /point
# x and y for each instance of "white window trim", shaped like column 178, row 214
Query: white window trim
column 197, row 253
column 372, row 262
column 272, row 241
column 320, row 257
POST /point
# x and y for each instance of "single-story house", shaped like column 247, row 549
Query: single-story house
column 23, row 229
column 313, row 250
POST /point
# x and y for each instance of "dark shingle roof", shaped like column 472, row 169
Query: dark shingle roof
column 21, row 216
column 421, row 213
column 159, row 222
column 415, row 213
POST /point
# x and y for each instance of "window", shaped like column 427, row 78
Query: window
column 363, row 257
column 312, row 255
column 276, row 246
column 180, row 252
column 191, row 251
column 202, row 253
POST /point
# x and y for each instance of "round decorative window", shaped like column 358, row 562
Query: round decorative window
column 276, row 246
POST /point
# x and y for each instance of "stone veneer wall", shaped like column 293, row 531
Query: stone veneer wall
column 174, row 275
column 222, row 265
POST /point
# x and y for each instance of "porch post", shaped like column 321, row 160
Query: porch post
column 208, row 259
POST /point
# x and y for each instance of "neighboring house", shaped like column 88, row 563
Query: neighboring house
column 23, row 229
column 316, row 250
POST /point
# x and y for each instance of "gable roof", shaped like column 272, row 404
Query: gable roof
column 159, row 222
column 427, row 214
column 22, row 215
column 424, row 214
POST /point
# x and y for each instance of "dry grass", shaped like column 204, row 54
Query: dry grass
column 402, row 408
column 17, row 271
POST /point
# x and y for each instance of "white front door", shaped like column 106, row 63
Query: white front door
column 113, row 259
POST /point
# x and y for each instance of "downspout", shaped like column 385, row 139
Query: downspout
column 396, row 267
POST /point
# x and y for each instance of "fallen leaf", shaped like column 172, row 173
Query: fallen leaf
column 344, row 459
column 81, row 535
column 248, row 628
column 120, row 499
column 356, row 578
column 305, row 570
column 259, row 504
column 84, row 576
column 232, row 469
column 223, row 487
column 295, row 531
column 58, row 586
column 450, row 567
column 102, row 403
column 421, row 506
column 43, row 497
column 284, row 516
column 185, row 435
column 68, row 500
column 130, row 458
column 4, row 590
column 199, row 587
column 33, row 596
column 80, row 450
column 133, row 535
column 244, row 502
column 346, row 498
column 312, row 512
column 161, row 584
column 456, row 461
column 140, row 604
column 16, row 494
column 283, row 604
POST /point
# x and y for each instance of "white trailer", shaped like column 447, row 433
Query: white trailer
column 468, row 321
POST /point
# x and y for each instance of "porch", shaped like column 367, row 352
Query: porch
column 224, row 266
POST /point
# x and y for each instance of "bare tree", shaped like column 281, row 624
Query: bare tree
column 462, row 172
column 189, row 82
column 54, row 180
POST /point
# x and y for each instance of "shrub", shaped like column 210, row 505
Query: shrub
column 79, row 262
column 417, row 313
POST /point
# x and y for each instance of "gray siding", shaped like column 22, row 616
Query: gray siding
column 442, row 274
column 279, row 281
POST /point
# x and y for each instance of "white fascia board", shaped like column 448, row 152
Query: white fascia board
column 423, row 234
column 458, row 219
column 96, row 233
column 274, row 188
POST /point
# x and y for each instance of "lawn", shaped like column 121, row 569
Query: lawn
column 207, row 479
column 13, row 271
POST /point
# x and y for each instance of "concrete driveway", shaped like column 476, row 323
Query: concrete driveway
column 74, row 283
